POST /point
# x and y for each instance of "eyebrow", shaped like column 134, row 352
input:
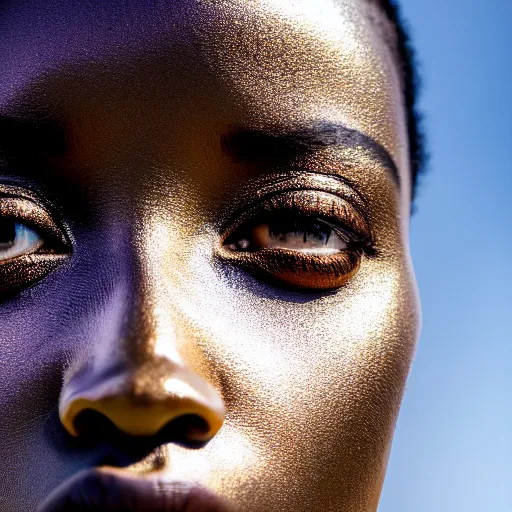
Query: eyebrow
column 256, row 145
column 18, row 137
column 31, row 137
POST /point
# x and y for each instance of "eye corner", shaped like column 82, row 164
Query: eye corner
column 368, row 247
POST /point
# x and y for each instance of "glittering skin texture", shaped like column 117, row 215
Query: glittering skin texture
column 142, row 134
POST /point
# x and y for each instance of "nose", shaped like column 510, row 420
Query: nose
column 143, row 368
column 142, row 402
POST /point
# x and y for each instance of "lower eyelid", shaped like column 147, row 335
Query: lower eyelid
column 296, row 270
column 24, row 271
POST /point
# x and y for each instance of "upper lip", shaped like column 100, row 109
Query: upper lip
column 111, row 490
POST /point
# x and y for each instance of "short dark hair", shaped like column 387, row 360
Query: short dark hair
column 396, row 33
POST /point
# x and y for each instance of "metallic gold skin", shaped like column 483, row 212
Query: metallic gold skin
column 128, row 123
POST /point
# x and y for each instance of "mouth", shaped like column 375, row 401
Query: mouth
column 108, row 490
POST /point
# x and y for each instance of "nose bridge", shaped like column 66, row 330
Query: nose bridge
column 136, row 377
column 154, row 322
column 151, row 318
column 150, row 327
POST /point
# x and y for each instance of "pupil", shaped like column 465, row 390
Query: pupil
column 7, row 233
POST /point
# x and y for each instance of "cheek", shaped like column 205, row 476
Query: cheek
column 279, row 338
column 44, row 327
column 312, row 383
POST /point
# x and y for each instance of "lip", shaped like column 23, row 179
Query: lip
column 108, row 489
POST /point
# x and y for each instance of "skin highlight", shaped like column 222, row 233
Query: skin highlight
column 142, row 132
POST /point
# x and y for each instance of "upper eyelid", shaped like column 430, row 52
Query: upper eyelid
column 48, row 219
column 255, row 191
column 275, row 184
column 326, row 182
column 28, row 193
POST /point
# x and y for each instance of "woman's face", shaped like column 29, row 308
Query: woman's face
column 205, row 268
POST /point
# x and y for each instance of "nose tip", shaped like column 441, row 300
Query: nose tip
column 142, row 407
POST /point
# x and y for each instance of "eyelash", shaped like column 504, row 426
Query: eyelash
column 298, row 269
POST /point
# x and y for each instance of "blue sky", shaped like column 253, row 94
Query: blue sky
column 453, row 445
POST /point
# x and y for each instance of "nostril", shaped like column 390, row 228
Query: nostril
column 190, row 430
column 94, row 426
column 187, row 410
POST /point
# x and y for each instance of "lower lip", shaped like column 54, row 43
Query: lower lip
column 111, row 490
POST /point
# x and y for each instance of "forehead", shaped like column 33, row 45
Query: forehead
column 282, row 62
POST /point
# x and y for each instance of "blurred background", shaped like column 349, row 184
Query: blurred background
column 453, row 446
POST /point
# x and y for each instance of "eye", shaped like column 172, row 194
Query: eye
column 301, row 239
column 17, row 239
column 31, row 243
